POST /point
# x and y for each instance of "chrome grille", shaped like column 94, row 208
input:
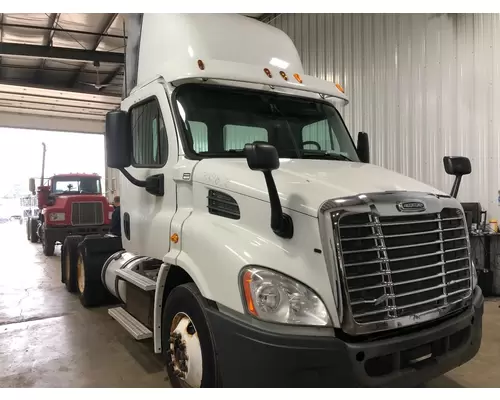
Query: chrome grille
column 87, row 213
column 401, row 266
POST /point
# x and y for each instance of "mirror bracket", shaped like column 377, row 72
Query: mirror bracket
column 131, row 179
column 155, row 184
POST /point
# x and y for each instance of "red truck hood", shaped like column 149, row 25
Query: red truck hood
column 80, row 197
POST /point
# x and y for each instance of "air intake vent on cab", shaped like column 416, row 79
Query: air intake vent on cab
column 223, row 205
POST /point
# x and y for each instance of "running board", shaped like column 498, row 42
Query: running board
column 134, row 327
column 141, row 281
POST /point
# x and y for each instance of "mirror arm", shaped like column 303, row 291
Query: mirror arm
column 131, row 179
column 456, row 186
column 281, row 223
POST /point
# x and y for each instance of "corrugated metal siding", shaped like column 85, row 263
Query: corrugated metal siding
column 422, row 85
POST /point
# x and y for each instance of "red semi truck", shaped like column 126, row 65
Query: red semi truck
column 69, row 204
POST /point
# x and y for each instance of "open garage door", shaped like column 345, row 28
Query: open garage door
column 47, row 109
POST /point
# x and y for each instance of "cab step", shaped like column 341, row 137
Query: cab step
column 141, row 281
column 133, row 326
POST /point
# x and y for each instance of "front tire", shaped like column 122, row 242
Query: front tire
column 33, row 230
column 48, row 246
column 188, row 342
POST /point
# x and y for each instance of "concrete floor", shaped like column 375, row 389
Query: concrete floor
column 47, row 339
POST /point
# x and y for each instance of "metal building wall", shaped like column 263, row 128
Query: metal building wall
column 422, row 85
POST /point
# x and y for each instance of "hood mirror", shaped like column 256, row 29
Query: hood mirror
column 363, row 147
column 457, row 166
column 264, row 157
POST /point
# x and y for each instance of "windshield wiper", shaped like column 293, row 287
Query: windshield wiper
column 324, row 154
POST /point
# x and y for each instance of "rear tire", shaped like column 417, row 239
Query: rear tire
column 90, row 288
column 33, row 226
column 69, row 259
column 185, row 323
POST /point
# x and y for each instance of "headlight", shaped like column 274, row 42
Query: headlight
column 474, row 275
column 273, row 297
column 57, row 216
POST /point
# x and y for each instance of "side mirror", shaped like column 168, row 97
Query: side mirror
column 32, row 187
column 119, row 152
column 262, row 157
column 118, row 140
column 457, row 166
column 363, row 147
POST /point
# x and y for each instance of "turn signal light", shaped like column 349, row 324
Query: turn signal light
column 201, row 65
column 174, row 238
column 339, row 87
column 283, row 75
column 247, row 279
column 298, row 78
column 268, row 73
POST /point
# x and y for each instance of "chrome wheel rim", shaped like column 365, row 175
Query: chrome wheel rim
column 66, row 267
column 184, row 353
column 81, row 274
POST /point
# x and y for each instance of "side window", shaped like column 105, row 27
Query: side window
column 150, row 146
column 199, row 134
column 236, row 136
column 321, row 133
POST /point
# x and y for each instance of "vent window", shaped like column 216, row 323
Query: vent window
column 223, row 205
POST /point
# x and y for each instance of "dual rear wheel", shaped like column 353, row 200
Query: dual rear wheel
column 81, row 270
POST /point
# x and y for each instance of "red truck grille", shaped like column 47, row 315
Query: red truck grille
column 87, row 213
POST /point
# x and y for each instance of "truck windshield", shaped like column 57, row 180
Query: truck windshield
column 76, row 185
column 219, row 121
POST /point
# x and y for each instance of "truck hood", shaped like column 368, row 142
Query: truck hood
column 303, row 185
column 61, row 201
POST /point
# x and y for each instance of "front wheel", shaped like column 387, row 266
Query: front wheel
column 188, row 341
column 48, row 245
column 33, row 226
column 28, row 230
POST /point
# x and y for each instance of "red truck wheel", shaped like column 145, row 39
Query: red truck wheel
column 48, row 245
column 33, row 230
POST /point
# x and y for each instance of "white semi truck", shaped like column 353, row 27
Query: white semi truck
column 259, row 246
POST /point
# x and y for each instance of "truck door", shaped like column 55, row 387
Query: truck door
column 145, row 217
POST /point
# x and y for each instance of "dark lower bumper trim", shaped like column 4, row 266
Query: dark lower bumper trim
column 252, row 357
column 58, row 234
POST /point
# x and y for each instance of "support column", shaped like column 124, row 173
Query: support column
column 111, row 180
